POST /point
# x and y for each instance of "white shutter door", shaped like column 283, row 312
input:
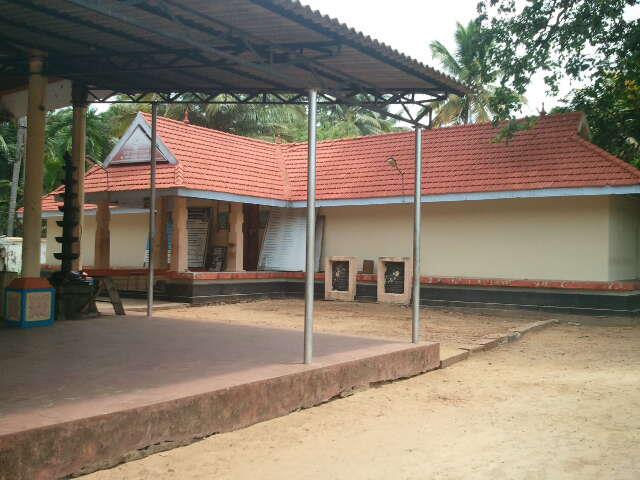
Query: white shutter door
column 198, row 231
column 283, row 248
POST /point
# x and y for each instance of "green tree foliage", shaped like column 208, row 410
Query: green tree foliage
column 266, row 122
column 286, row 123
column 59, row 140
column 471, row 65
column 575, row 38
column 119, row 116
column 586, row 40
column 343, row 121
column 613, row 111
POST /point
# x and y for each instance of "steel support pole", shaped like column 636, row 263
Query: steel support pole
column 309, row 283
column 152, row 206
column 417, row 230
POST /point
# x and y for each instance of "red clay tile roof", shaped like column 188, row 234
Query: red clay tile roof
column 460, row 159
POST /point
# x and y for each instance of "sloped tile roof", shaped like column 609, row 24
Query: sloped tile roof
column 463, row 159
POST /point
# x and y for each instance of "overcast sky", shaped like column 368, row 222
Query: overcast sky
column 412, row 24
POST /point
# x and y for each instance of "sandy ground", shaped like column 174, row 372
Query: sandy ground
column 561, row 403
column 449, row 327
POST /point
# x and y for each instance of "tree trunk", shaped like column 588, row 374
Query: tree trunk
column 15, row 177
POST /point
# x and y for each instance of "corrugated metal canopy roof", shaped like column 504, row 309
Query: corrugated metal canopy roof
column 210, row 46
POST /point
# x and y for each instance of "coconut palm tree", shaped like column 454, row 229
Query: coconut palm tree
column 119, row 116
column 266, row 122
column 343, row 121
column 470, row 65
column 59, row 140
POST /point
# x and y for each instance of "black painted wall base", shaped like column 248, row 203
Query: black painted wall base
column 552, row 300
column 203, row 292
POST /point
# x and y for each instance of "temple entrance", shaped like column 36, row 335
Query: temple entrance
column 251, row 232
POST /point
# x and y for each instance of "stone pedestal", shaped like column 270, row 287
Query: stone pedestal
column 394, row 280
column 29, row 302
column 340, row 278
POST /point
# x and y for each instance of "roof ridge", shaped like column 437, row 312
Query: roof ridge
column 607, row 156
column 548, row 116
column 271, row 144
column 471, row 126
column 215, row 131
column 448, row 128
column 286, row 185
column 351, row 139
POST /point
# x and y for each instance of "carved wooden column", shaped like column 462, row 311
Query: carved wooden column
column 34, row 170
column 102, row 253
column 235, row 253
column 180, row 236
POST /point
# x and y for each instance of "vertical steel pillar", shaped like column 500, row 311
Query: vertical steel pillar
column 152, row 207
column 309, row 283
column 417, row 230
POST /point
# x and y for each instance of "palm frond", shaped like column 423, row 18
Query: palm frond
column 446, row 59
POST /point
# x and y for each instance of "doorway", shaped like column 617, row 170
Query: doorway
column 251, row 236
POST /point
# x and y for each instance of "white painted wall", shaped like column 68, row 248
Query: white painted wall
column 570, row 238
column 546, row 239
column 129, row 233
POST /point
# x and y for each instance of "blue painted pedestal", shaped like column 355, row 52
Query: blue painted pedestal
column 28, row 306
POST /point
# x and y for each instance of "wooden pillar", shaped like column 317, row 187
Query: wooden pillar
column 78, row 153
column 102, row 253
column 34, row 169
column 235, row 253
column 160, row 244
column 180, row 237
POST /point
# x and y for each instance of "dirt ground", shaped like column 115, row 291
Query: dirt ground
column 561, row 403
column 452, row 328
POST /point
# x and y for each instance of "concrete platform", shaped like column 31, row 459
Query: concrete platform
column 89, row 394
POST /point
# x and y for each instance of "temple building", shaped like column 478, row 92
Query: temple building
column 546, row 219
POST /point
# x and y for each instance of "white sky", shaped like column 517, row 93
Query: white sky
column 412, row 24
